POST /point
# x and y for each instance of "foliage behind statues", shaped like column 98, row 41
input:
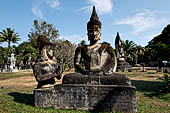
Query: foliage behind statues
column 64, row 54
column 43, row 28
column 9, row 36
column 160, row 46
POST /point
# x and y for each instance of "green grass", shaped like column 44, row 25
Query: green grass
column 151, row 97
column 4, row 76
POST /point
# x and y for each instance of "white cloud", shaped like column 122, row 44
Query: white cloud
column 102, row 6
column 74, row 38
column 53, row 3
column 37, row 7
column 143, row 21
column 37, row 11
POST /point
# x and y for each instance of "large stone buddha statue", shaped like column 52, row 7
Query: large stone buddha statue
column 95, row 63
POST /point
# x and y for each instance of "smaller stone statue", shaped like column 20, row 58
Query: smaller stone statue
column 12, row 62
column 119, row 48
column 122, row 65
column 45, row 67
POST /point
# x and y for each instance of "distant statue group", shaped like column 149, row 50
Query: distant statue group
column 93, row 60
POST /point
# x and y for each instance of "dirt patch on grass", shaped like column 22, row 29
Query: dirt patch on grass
column 27, row 81
column 21, row 82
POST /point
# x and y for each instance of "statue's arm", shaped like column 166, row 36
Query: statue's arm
column 37, row 72
column 79, row 67
column 110, row 63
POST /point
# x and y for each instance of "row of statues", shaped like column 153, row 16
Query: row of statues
column 95, row 60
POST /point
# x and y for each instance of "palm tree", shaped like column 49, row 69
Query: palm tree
column 9, row 36
column 129, row 48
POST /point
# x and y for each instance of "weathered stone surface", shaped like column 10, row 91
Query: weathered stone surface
column 43, row 71
column 88, row 97
column 122, row 66
column 113, row 79
column 46, row 67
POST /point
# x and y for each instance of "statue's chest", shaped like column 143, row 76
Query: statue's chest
column 95, row 59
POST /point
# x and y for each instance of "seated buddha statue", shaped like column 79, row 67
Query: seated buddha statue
column 95, row 63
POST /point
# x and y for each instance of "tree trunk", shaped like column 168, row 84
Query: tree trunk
column 9, row 53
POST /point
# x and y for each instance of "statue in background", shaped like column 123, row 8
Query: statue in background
column 95, row 61
column 119, row 48
column 13, row 62
column 122, row 65
column 45, row 67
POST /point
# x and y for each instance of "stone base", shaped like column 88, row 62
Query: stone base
column 122, row 66
column 87, row 97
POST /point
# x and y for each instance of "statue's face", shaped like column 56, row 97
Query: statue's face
column 50, row 51
column 94, row 33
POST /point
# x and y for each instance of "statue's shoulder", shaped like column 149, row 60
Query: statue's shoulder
column 82, row 48
column 108, row 48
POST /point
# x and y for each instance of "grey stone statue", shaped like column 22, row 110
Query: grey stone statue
column 96, row 60
column 119, row 48
column 45, row 68
column 122, row 65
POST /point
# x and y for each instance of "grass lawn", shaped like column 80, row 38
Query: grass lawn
column 10, row 75
column 18, row 97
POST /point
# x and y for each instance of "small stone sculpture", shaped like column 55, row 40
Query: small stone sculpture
column 122, row 65
column 13, row 62
column 119, row 48
column 45, row 68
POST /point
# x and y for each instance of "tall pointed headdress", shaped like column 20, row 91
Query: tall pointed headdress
column 94, row 19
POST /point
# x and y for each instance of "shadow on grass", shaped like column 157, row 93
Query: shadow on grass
column 151, row 89
column 147, row 86
column 24, row 98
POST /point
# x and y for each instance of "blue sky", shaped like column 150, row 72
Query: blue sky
column 136, row 20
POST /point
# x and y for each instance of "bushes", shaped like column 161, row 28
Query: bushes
column 167, row 80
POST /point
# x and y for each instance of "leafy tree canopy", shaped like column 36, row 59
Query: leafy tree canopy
column 163, row 38
column 160, row 46
column 42, row 28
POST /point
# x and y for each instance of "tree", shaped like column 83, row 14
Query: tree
column 65, row 54
column 3, row 55
column 160, row 46
column 24, row 52
column 9, row 36
column 45, row 29
column 129, row 48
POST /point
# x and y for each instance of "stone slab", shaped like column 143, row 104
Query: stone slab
column 87, row 97
column 113, row 79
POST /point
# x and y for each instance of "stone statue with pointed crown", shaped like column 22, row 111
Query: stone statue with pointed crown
column 95, row 60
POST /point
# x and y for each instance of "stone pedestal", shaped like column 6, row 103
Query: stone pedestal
column 122, row 65
column 87, row 97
